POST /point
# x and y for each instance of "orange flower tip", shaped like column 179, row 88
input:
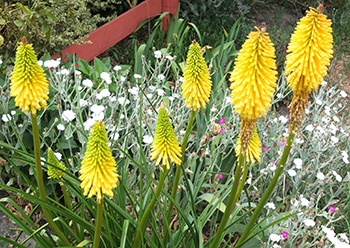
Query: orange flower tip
column 263, row 29
column 320, row 8
column 194, row 42
column 24, row 40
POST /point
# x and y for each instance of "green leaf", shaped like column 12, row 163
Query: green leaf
column 84, row 67
column 213, row 199
column 18, row 23
column 2, row 21
column 26, row 10
column 99, row 66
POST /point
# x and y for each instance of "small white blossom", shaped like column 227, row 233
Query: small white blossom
column 318, row 101
column 68, row 115
column 123, row 101
column 115, row 136
column 304, row 202
column 299, row 140
column 88, row 124
column 78, row 73
column 40, row 62
column 344, row 237
column 64, row 72
column 330, row 234
column 182, row 132
column 319, row 128
column 122, row 116
column 134, row 91
column 169, row 57
column 309, row 128
column 276, row 246
column 113, row 99
column 292, row 172
column 327, row 110
column 87, row 83
column 149, row 96
column 122, row 79
column 58, row 155
column 325, row 119
column 279, row 95
column 283, row 119
column 97, row 108
column 336, row 119
column 275, row 237
column 213, row 109
column 272, row 167
column 6, row 117
column 334, row 139
column 60, row 127
column 157, row 54
column 333, row 128
column 52, row 63
column 270, row 205
column 137, row 76
column 309, row 222
column 320, row 176
column 98, row 116
column 161, row 77
column 160, row 92
column 324, row 83
column 337, row 176
column 307, row 111
column 343, row 93
column 117, row 68
column 298, row 163
column 147, row 139
column 103, row 93
column 83, row 103
column 152, row 88
column 106, row 77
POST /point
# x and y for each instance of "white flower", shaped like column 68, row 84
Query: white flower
column 336, row 119
column 279, row 95
column 123, row 100
column 213, row 109
column 330, row 234
column 152, row 88
column 147, row 139
column 87, row 83
column 103, row 93
column 43, row 160
column 318, row 101
column 337, row 176
column 98, row 116
column 309, row 222
column 117, row 68
column 134, row 91
column 105, row 76
column 97, row 108
column 249, row 181
column 307, row 111
column 171, row 98
column 160, row 92
column 283, row 119
column 343, row 93
column 270, row 205
column 52, row 63
column 78, row 73
column 169, row 57
column 64, row 72
column 122, row 116
column 40, row 62
column 88, row 124
column 157, row 54
column 299, row 140
column 182, row 132
column 161, row 77
column 320, row 176
column 83, row 103
column 58, row 155
column 6, row 117
column 325, row 119
column 275, row 237
column 294, row 202
column 292, row 172
column 113, row 99
column 137, row 76
column 333, row 128
column 327, row 110
column 68, row 115
column 272, row 167
column 309, row 128
column 115, row 136
column 344, row 237
column 122, row 79
column 304, row 202
column 345, row 157
column 298, row 163
column 60, row 127
column 324, row 83
column 276, row 246
column 334, row 139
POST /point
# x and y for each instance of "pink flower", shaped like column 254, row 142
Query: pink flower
column 265, row 149
column 273, row 162
column 211, row 139
column 221, row 121
column 331, row 208
column 284, row 234
column 222, row 130
column 221, row 176
column 282, row 143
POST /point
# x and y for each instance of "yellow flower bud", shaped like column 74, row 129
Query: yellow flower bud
column 254, row 147
column 54, row 172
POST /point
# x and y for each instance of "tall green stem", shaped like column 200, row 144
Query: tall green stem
column 178, row 171
column 69, row 205
column 40, row 181
column 98, row 224
column 147, row 213
column 231, row 202
column 269, row 189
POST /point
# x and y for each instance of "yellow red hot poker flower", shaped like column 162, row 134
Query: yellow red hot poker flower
column 253, row 81
column 98, row 171
column 52, row 171
column 165, row 145
column 254, row 147
column 28, row 82
column 197, row 84
column 310, row 51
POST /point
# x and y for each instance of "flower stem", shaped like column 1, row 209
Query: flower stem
column 270, row 188
column 231, row 202
column 98, row 224
column 147, row 213
column 40, row 181
column 178, row 172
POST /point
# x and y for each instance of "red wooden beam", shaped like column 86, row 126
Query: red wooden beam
column 120, row 27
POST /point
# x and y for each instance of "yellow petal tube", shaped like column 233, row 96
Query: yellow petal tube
column 254, row 148
column 28, row 82
column 54, row 172
column 254, row 76
column 165, row 145
column 196, row 87
column 310, row 51
column 98, row 171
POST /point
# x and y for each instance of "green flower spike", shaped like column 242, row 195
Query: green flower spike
column 52, row 171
